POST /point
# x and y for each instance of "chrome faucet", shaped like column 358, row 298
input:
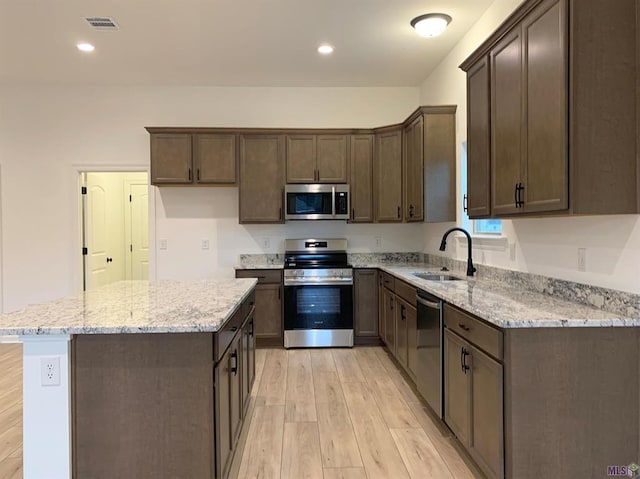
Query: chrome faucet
column 443, row 246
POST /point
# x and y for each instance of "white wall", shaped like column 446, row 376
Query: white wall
column 543, row 246
column 48, row 133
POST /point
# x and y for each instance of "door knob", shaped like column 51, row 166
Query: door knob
column 109, row 260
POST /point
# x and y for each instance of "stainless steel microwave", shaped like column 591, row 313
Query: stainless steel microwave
column 316, row 202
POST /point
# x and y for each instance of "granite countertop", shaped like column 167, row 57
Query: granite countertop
column 135, row 307
column 261, row 265
column 503, row 305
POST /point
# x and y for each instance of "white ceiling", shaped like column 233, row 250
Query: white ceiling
column 226, row 42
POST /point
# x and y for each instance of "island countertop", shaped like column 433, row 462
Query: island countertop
column 129, row 307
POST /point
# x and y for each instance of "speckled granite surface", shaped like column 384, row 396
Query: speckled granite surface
column 508, row 299
column 507, row 306
column 135, row 307
column 614, row 301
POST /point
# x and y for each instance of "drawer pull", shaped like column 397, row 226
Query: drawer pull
column 463, row 327
column 234, row 368
column 234, row 329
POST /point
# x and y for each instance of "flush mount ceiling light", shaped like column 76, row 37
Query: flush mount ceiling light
column 85, row 47
column 431, row 24
column 325, row 49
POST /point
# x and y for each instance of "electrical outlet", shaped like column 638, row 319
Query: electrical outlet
column 50, row 371
column 378, row 240
column 582, row 259
column 205, row 244
column 163, row 244
column 266, row 242
column 512, row 251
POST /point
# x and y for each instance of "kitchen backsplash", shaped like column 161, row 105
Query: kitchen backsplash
column 364, row 259
column 619, row 302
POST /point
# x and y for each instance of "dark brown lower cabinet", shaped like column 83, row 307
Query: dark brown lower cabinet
column 412, row 340
column 389, row 299
column 457, row 409
column 382, row 330
column 161, row 405
column 365, row 298
column 401, row 331
column 268, row 327
column 248, row 359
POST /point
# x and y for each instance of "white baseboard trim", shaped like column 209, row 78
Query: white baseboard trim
column 9, row 339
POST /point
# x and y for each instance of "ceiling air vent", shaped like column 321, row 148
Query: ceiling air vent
column 102, row 23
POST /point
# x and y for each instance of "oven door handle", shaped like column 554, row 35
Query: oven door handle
column 319, row 283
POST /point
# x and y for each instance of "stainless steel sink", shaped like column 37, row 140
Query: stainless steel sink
column 435, row 276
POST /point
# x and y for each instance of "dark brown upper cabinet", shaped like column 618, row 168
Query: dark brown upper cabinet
column 216, row 159
column 560, row 128
column 361, row 184
column 190, row 159
column 439, row 149
column 317, row 158
column 171, row 161
column 413, row 170
column 478, row 200
column 388, row 175
column 261, row 179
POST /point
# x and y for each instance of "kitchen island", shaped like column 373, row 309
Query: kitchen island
column 147, row 379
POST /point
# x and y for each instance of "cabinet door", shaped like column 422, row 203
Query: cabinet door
column 361, row 179
column 457, row 382
column 171, row 158
column 545, row 177
column 215, row 159
column 413, row 171
column 366, row 302
column 251, row 340
column 486, row 441
column 401, row 331
column 388, row 177
column 381, row 310
column 506, row 122
column 235, row 389
column 440, row 167
column 332, row 154
column 301, row 154
column 412, row 340
column 478, row 138
column 223, row 442
column 389, row 320
column 261, row 179
column 268, row 315
column 246, row 377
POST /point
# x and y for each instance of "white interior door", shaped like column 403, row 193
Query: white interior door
column 104, row 229
column 139, row 246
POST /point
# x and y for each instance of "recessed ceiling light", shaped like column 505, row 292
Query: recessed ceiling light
column 325, row 49
column 85, row 47
column 431, row 24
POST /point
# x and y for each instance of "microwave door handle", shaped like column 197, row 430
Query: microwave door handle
column 333, row 201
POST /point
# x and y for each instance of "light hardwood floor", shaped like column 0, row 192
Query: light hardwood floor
column 10, row 411
column 342, row 414
column 320, row 413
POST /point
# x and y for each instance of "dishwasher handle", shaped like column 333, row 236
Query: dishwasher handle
column 428, row 304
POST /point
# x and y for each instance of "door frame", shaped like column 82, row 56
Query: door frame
column 77, row 206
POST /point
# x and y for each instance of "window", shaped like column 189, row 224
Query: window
column 476, row 227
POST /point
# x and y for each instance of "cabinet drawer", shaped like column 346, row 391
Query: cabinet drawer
column 406, row 292
column 388, row 281
column 264, row 276
column 224, row 337
column 475, row 331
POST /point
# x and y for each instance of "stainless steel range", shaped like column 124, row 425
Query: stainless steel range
column 318, row 294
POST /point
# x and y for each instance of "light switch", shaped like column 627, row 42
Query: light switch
column 163, row 244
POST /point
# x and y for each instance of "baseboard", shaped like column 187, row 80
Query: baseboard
column 9, row 339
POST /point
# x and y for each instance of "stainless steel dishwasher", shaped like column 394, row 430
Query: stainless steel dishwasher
column 429, row 370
